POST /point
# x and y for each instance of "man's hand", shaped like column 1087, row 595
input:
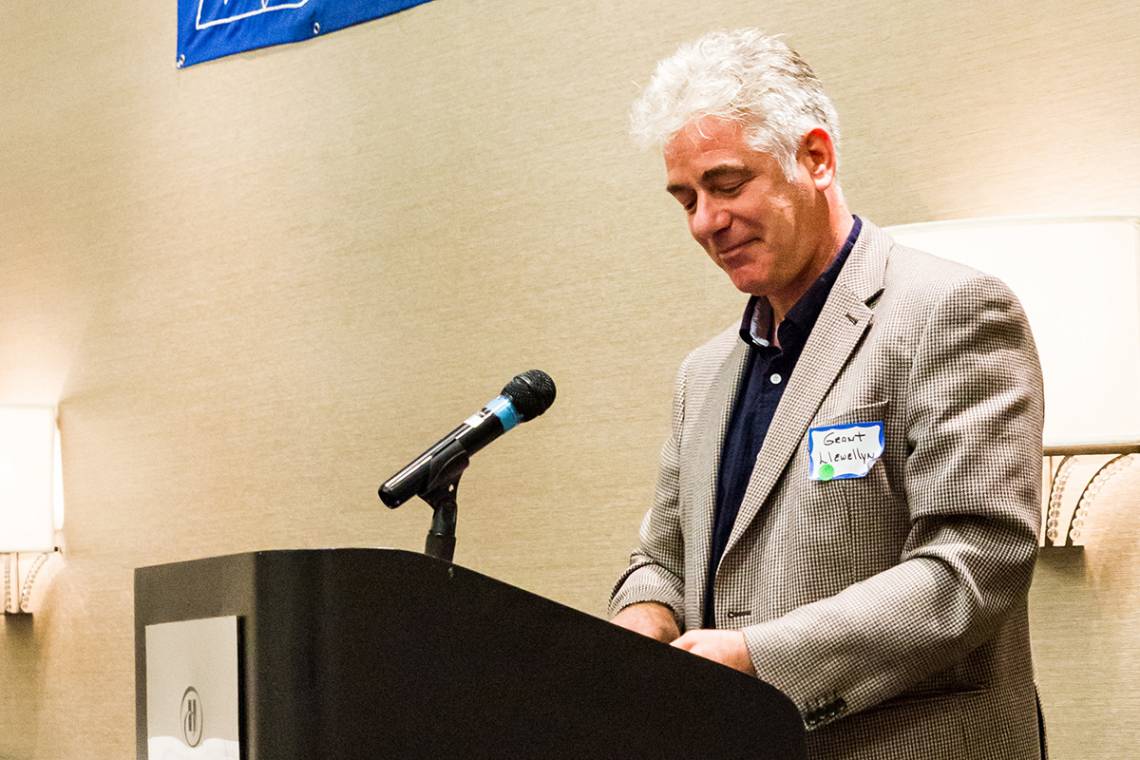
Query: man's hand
column 649, row 619
column 725, row 647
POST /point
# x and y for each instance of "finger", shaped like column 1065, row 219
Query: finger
column 685, row 642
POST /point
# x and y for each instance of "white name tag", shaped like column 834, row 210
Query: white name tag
column 844, row 451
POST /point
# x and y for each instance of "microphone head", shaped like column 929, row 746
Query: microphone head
column 532, row 393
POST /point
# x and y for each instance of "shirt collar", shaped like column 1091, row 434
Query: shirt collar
column 756, row 325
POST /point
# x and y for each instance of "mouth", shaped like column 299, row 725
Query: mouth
column 732, row 251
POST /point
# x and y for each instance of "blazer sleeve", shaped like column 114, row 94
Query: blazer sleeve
column 972, row 477
column 656, row 566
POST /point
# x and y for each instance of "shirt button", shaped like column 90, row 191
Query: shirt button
column 775, row 378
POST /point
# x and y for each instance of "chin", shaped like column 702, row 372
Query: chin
column 752, row 285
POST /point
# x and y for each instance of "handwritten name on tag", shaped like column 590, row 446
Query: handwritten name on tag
column 844, row 451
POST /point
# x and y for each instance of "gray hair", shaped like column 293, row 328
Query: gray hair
column 742, row 75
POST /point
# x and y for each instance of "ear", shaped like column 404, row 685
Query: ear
column 817, row 155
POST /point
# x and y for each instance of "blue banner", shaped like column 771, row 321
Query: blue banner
column 209, row 29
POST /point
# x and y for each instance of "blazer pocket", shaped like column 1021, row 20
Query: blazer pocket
column 921, row 696
column 876, row 411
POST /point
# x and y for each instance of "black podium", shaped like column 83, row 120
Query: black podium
column 374, row 653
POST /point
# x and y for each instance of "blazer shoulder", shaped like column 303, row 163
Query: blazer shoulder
column 911, row 266
column 925, row 279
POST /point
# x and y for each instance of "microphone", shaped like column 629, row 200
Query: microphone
column 525, row 397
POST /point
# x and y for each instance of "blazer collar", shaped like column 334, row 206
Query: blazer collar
column 864, row 272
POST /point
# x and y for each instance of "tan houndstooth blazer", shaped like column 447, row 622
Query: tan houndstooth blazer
column 890, row 608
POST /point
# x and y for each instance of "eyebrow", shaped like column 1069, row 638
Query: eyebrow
column 712, row 175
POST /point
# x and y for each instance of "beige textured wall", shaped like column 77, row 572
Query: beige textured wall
column 257, row 286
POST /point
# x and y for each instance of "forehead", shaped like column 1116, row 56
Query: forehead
column 706, row 143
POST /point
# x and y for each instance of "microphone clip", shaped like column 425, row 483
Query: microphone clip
column 446, row 469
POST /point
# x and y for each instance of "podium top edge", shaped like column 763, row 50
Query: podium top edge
column 262, row 553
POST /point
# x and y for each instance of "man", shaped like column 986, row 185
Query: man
column 848, row 503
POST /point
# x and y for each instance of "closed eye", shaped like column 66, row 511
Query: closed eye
column 726, row 180
column 687, row 198
column 731, row 189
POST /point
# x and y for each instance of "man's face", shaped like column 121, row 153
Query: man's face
column 757, row 226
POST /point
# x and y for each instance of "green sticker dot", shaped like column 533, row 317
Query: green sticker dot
column 826, row 471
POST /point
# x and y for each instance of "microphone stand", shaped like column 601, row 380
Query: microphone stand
column 443, row 482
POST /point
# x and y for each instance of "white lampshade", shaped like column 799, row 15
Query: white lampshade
column 1079, row 281
column 28, row 478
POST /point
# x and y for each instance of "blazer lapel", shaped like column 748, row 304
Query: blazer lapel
column 715, row 415
column 845, row 318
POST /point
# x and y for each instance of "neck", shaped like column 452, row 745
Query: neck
column 831, row 238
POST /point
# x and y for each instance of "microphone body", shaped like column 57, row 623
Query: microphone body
column 525, row 397
column 487, row 424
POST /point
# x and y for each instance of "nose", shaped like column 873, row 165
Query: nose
column 708, row 219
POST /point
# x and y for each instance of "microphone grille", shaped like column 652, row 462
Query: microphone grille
column 531, row 392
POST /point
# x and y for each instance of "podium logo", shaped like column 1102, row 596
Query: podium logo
column 191, row 717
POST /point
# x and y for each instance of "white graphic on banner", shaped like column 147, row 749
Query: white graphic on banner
column 229, row 11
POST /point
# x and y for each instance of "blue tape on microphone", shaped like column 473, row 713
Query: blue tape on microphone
column 501, row 407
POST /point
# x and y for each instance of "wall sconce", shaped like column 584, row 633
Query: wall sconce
column 1079, row 281
column 31, row 499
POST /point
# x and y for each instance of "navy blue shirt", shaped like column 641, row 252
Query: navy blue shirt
column 768, row 373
